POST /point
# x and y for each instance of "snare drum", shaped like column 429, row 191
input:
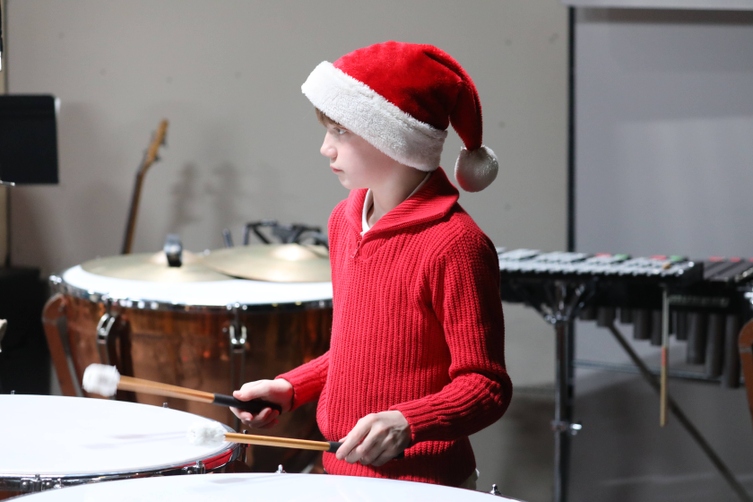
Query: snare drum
column 209, row 335
column 255, row 486
column 56, row 441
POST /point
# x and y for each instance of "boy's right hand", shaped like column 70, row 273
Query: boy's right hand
column 278, row 391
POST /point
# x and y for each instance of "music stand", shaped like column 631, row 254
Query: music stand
column 28, row 139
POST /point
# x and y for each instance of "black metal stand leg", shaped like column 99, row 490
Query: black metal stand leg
column 678, row 413
column 563, row 408
column 561, row 303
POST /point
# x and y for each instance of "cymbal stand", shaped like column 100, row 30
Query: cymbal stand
column 559, row 303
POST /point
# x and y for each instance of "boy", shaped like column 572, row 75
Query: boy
column 416, row 359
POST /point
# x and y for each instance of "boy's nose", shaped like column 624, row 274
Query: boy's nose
column 327, row 149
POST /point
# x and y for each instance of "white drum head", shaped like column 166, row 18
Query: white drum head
column 155, row 295
column 274, row 487
column 72, row 437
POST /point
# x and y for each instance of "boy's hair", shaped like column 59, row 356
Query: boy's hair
column 324, row 119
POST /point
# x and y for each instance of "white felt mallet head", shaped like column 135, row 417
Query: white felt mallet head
column 206, row 433
column 101, row 379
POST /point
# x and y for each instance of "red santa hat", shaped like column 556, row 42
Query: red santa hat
column 401, row 98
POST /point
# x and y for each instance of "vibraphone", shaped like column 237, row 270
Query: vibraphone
column 702, row 302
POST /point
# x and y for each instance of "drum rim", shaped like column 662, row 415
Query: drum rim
column 58, row 285
column 34, row 482
column 295, row 481
column 40, row 482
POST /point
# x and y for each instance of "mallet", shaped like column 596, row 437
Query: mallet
column 105, row 380
column 208, row 433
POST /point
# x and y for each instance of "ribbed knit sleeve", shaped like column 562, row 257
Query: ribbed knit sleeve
column 464, row 285
column 308, row 380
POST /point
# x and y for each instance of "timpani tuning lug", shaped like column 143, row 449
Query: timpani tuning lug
column 197, row 468
column 173, row 250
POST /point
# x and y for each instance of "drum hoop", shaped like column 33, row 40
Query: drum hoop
column 58, row 285
column 34, row 482
column 40, row 482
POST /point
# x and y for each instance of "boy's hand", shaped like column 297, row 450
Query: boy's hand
column 277, row 391
column 376, row 439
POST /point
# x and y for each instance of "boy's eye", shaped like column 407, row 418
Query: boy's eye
column 339, row 131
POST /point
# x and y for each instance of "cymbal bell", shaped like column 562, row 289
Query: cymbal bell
column 272, row 262
column 154, row 267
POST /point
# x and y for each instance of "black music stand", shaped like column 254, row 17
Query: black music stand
column 28, row 155
column 28, row 139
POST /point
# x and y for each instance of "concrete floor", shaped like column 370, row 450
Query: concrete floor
column 622, row 454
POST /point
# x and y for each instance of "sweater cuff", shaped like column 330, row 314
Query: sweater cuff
column 307, row 381
column 420, row 419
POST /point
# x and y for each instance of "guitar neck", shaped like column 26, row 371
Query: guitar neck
column 132, row 213
column 149, row 158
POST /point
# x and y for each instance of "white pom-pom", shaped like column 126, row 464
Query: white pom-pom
column 476, row 169
column 206, row 433
column 101, row 379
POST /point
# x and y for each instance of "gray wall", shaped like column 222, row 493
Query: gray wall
column 243, row 142
column 664, row 165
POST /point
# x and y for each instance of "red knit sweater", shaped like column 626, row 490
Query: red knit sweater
column 417, row 327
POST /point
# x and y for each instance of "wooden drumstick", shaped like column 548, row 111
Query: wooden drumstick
column 213, row 433
column 105, row 380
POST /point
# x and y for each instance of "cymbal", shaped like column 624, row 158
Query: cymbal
column 273, row 262
column 154, row 267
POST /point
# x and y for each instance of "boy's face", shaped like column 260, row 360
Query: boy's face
column 356, row 162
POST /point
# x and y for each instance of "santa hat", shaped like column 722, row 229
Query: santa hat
column 401, row 98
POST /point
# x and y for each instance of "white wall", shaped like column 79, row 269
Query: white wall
column 242, row 140
column 664, row 128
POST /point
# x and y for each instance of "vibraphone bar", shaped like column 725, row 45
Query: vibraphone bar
column 702, row 302
column 707, row 298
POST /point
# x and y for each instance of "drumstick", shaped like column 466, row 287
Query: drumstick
column 213, row 434
column 105, row 380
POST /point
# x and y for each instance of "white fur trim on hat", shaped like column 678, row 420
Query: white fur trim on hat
column 476, row 169
column 357, row 107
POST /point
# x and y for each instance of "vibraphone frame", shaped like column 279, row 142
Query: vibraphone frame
column 559, row 290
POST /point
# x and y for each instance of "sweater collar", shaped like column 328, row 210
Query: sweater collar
column 431, row 202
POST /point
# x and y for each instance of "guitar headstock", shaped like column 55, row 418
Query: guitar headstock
column 157, row 140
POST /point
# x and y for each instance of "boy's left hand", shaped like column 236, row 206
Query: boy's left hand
column 376, row 439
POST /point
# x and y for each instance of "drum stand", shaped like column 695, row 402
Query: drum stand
column 53, row 321
column 561, row 303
